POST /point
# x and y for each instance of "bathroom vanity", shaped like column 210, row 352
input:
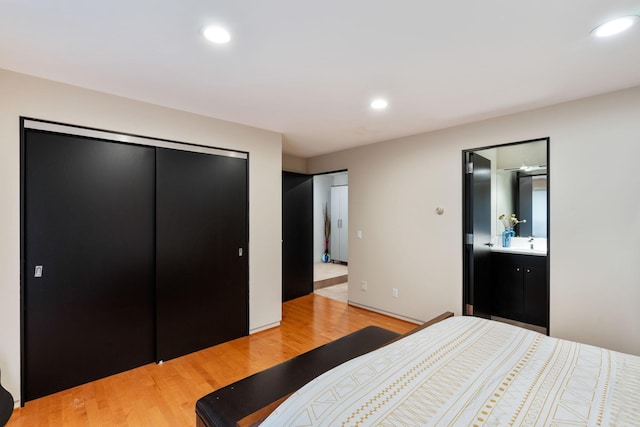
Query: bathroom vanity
column 520, row 290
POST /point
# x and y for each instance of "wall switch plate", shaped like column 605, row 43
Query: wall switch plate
column 359, row 234
column 363, row 286
column 394, row 292
column 38, row 271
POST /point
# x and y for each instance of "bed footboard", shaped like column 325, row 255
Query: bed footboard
column 249, row 401
column 227, row 406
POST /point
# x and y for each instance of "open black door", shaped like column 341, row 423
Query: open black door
column 297, row 235
column 477, row 274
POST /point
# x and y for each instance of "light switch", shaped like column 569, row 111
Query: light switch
column 38, row 272
column 359, row 234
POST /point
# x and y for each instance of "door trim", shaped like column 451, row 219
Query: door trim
column 37, row 124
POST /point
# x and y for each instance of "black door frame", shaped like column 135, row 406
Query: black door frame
column 119, row 137
column 466, row 216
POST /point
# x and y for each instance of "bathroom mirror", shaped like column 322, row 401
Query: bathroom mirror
column 519, row 186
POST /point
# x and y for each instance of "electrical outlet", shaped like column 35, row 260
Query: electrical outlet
column 394, row 292
column 363, row 286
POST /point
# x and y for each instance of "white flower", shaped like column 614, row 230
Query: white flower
column 510, row 221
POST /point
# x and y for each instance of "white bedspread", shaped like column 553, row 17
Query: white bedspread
column 468, row 371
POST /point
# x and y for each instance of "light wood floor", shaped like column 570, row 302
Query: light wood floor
column 165, row 395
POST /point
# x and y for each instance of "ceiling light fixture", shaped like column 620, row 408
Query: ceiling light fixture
column 216, row 34
column 615, row 26
column 379, row 104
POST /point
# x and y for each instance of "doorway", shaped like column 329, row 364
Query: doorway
column 331, row 234
column 506, row 233
column 314, row 222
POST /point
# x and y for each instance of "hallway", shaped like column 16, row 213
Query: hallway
column 331, row 280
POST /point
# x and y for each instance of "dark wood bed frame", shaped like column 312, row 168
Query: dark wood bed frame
column 246, row 403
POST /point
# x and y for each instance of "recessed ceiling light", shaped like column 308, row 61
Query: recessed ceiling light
column 615, row 26
column 379, row 104
column 216, row 34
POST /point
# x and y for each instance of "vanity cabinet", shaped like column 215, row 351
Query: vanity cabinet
column 520, row 287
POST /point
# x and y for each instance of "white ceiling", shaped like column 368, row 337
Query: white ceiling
column 309, row 69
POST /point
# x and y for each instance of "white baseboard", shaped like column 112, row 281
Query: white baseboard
column 387, row 313
column 264, row 328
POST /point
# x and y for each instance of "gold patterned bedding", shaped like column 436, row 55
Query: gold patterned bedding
column 468, row 371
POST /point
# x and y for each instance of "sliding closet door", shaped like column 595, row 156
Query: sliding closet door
column 89, row 267
column 201, row 251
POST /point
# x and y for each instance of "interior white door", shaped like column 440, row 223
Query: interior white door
column 340, row 223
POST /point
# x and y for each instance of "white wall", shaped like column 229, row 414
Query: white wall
column 395, row 186
column 36, row 98
column 293, row 164
column 341, row 178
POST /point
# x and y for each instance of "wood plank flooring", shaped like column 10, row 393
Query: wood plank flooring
column 165, row 395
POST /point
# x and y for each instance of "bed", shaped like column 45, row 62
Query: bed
column 471, row 372
column 453, row 371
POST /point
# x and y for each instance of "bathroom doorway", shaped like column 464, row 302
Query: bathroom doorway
column 506, row 233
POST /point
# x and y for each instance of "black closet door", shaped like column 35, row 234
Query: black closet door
column 201, row 251
column 89, row 222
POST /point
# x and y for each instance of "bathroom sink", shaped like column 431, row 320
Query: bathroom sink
column 520, row 250
column 522, row 246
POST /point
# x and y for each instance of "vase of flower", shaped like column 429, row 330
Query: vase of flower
column 509, row 223
column 326, row 256
column 507, row 234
